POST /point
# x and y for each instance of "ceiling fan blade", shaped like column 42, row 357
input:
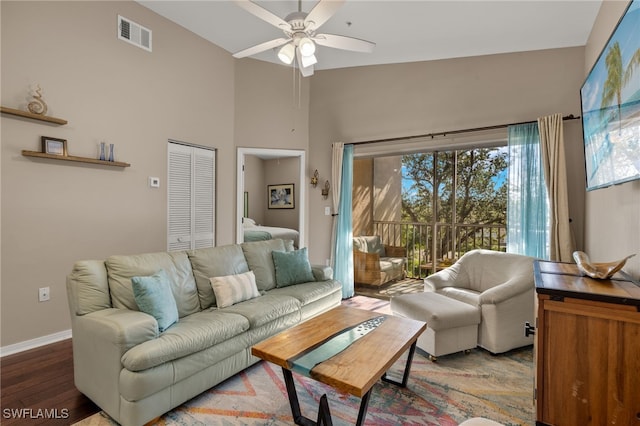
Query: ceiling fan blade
column 261, row 47
column 305, row 71
column 345, row 43
column 263, row 14
column 321, row 13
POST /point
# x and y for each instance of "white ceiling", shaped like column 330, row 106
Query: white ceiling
column 404, row 31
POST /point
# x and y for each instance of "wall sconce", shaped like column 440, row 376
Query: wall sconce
column 325, row 190
column 314, row 179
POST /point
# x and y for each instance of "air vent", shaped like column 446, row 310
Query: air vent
column 134, row 33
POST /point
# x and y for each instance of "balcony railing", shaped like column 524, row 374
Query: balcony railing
column 426, row 254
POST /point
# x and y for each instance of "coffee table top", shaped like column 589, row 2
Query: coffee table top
column 356, row 369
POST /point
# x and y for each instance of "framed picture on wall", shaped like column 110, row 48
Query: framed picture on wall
column 281, row 196
column 54, row 146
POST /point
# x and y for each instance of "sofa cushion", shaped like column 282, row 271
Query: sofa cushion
column 310, row 292
column 90, row 289
column 232, row 289
column 462, row 294
column 265, row 309
column 292, row 267
column 215, row 262
column 194, row 333
column 369, row 244
column 260, row 261
column 153, row 296
column 120, row 270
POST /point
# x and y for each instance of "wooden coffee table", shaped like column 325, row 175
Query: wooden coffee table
column 355, row 369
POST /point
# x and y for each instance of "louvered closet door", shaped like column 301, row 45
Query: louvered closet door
column 191, row 197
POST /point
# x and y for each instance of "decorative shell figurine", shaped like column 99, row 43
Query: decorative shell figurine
column 37, row 105
column 600, row 271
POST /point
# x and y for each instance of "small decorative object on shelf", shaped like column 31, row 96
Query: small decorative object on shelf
column 600, row 271
column 54, row 146
column 37, row 105
column 102, row 155
column 111, row 152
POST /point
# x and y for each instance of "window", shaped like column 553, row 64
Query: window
column 191, row 197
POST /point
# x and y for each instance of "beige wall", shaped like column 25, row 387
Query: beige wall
column 283, row 171
column 375, row 102
column 187, row 89
column 254, row 185
column 612, row 229
column 258, row 174
column 362, row 196
column 55, row 213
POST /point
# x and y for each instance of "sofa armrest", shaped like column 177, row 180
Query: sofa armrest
column 444, row 278
column 99, row 341
column 395, row 251
column 507, row 290
column 322, row 273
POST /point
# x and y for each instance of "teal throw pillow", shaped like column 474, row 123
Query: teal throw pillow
column 154, row 297
column 292, row 267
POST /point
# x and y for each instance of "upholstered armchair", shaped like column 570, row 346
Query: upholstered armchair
column 376, row 264
column 502, row 285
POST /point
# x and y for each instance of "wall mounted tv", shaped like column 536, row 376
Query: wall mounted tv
column 610, row 98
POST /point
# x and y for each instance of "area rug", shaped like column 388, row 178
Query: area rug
column 446, row 392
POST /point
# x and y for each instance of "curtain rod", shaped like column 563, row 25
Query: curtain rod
column 455, row 132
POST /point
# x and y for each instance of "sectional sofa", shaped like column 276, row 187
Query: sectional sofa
column 137, row 358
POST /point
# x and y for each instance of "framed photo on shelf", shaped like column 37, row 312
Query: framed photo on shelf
column 54, row 146
column 281, row 196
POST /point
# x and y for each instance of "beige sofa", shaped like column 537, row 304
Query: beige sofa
column 134, row 372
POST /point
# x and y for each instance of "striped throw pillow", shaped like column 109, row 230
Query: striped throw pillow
column 232, row 289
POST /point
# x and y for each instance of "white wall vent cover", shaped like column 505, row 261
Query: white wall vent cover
column 134, row 33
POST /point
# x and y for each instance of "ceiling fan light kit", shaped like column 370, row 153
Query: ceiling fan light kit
column 306, row 46
column 300, row 29
column 287, row 53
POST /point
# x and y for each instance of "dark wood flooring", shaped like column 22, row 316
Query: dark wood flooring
column 38, row 384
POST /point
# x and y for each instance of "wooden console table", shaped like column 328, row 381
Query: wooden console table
column 587, row 348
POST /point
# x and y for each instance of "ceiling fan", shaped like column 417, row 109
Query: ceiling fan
column 300, row 31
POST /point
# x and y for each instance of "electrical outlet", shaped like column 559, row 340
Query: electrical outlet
column 43, row 294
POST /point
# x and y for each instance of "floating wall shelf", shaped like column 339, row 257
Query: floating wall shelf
column 38, row 117
column 73, row 158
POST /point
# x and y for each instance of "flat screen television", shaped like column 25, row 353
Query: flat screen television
column 610, row 100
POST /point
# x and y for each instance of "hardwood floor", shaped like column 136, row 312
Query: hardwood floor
column 386, row 292
column 37, row 388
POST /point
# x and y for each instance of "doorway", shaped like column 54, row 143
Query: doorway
column 268, row 154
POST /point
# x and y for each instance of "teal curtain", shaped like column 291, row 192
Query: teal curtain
column 343, row 268
column 527, row 203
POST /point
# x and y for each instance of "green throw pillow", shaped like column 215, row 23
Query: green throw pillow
column 154, row 297
column 292, row 267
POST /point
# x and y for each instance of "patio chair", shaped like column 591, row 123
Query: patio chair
column 376, row 264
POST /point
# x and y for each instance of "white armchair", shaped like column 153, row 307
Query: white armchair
column 502, row 285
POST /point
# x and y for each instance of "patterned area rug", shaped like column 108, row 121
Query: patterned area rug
column 453, row 389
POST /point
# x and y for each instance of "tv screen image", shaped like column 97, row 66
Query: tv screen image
column 610, row 98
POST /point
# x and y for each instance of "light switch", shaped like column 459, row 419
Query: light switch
column 154, row 182
column 327, row 211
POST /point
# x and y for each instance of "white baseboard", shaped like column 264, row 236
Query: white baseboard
column 34, row 343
